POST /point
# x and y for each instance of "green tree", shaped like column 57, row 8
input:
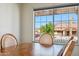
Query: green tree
column 48, row 28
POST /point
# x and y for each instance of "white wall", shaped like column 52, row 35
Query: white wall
column 27, row 19
column 9, row 19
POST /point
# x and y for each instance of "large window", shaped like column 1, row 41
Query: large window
column 63, row 19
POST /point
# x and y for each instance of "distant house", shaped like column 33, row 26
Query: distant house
column 64, row 29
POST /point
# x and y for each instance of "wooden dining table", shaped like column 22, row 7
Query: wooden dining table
column 31, row 49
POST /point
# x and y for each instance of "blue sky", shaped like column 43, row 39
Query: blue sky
column 41, row 20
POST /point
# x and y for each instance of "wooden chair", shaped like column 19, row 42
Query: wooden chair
column 68, row 48
column 46, row 39
column 8, row 40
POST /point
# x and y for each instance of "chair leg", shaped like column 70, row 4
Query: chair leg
column 2, row 50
